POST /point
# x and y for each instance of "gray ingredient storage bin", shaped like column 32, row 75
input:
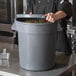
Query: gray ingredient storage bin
column 37, row 43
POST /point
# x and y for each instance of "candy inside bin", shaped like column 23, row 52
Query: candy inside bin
column 32, row 20
column 36, row 21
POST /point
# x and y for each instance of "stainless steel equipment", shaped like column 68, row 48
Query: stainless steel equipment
column 72, row 34
column 6, row 11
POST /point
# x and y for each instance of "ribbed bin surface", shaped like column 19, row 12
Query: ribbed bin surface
column 37, row 44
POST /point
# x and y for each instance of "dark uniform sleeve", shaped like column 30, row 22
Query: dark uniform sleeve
column 65, row 6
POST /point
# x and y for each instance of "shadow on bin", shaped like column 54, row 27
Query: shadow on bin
column 37, row 42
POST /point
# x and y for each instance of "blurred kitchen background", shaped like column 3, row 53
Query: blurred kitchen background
column 8, row 9
column 8, row 38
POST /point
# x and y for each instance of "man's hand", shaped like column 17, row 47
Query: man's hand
column 50, row 17
column 30, row 13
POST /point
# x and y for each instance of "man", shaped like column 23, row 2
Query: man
column 54, row 10
column 65, row 13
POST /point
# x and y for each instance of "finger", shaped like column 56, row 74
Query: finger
column 30, row 13
column 51, row 18
column 48, row 16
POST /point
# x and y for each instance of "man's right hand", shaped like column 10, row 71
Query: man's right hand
column 30, row 13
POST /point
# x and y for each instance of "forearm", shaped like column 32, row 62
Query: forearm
column 59, row 15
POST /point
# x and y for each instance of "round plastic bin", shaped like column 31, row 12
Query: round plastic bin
column 37, row 43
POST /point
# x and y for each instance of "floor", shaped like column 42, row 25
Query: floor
column 12, row 67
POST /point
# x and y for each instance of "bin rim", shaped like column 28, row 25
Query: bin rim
column 31, row 16
column 42, row 16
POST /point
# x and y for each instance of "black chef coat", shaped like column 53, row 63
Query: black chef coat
column 46, row 6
